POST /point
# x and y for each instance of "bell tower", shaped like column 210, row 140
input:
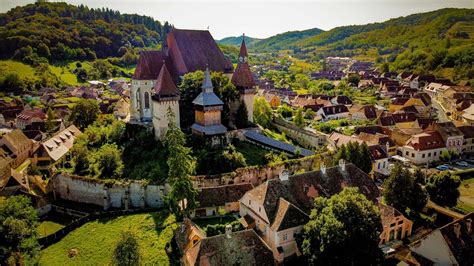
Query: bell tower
column 243, row 80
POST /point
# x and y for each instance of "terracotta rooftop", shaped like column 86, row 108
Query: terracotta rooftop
column 426, row 141
column 165, row 86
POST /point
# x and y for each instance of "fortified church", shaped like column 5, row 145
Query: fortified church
column 154, row 83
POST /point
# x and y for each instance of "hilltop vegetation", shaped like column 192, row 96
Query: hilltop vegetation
column 59, row 31
column 236, row 41
column 285, row 40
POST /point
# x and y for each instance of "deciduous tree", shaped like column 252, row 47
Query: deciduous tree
column 443, row 188
column 84, row 113
column 262, row 112
column 18, row 237
column 127, row 251
column 343, row 230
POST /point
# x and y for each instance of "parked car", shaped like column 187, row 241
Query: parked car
column 442, row 167
column 462, row 163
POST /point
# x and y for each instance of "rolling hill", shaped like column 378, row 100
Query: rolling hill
column 236, row 41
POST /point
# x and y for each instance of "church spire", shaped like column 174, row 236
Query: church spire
column 207, row 84
column 243, row 51
column 164, row 41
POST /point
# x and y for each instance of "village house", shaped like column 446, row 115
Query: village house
column 232, row 248
column 395, row 226
column 18, row 145
column 451, row 244
column 54, row 149
column 27, row 117
column 270, row 209
column 450, row 98
column 421, row 80
column 215, row 201
column 187, row 235
column 467, row 116
column 380, row 164
column 423, row 148
column 272, row 98
column 364, row 112
column 341, row 100
column 333, row 112
column 468, row 141
column 5, row 166
column 452, row 136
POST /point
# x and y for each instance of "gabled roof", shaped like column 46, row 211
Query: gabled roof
column 288, row 216
column 307, row 186
column 219, row 196
column 342, row 99
column 336, row 109
column 17, row 139
column 185, row 232
column 164, row 85
column 239, row 248
column 426, row 141
column 57, row 146
column 193, row 50
column 378, row 152
column 468, row 131
column 149, row 64
column 447, row 129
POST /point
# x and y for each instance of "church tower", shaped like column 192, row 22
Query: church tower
column 207, row 112
column 165, row 96
column 243, row 80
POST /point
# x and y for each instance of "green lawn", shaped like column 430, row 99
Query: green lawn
column 95, row 241
column 203, row 222
column 466, row 200
column 47, row 228
column 253, row 154
column 23, row 70
column 64, row 73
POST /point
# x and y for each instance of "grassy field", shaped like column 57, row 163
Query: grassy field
column 47, row 228
column 254, row 155
column 95, row 241
column 466, row 200
column 23, row 70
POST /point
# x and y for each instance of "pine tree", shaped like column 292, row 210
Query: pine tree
column 181, row 166
column 241, row 116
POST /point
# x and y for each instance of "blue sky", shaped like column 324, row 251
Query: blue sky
column 264, row 18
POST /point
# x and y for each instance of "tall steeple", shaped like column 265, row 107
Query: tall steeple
column 243, row 55
column 207, row 84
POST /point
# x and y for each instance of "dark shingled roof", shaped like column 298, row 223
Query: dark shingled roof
column 210, row 129
column 288, row 216
column 149, row 65
column 335, row 109
column 468, row 131
column 193, row 50
column 219, row 196
column 342, row 99
column 307, row 186
column 461, row 247
column 241, row 248
column 275, row 144
column 242, row 76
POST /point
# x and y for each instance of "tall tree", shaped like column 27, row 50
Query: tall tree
column 84, row 113
column 109, row 162
column 181, row 166
column 18, row 237
column 262, row 112
column 241, row 116
column 298, row 118
column 343, row 230
column 443, row 188
column 403, row 190
column 127, row 251
column 358, row 154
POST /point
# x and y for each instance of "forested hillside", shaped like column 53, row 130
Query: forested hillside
column 236, row 41
column 59, row 31
column 285, row 40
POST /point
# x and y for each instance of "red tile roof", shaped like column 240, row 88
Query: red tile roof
column 426, row 141
column 242, row 76
column 164, row 85
column 149, row 65
column 192, row 50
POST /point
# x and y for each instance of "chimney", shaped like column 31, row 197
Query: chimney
column 469, row 225
column 457, row 230
column 323, row 168
column 228, row 231
column 284, row 175
column 342, row 164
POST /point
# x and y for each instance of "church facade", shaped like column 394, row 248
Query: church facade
column 154, row 83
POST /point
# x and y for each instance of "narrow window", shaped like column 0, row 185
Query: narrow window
column 147, row 100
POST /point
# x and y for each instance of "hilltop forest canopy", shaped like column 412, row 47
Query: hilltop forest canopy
column 59, row 31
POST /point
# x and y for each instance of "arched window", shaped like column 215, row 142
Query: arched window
column 137, row 99
column 147, row 100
